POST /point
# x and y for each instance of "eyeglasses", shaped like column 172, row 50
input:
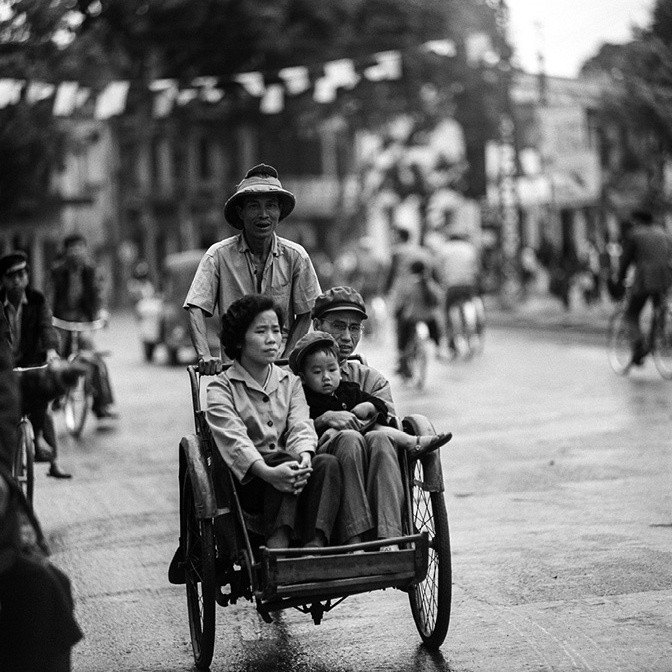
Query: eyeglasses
column 341, row 327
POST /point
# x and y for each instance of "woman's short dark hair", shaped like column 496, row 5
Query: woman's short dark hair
column 238, row 318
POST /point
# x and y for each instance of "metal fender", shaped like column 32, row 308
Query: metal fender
column 192, row 457
column 417, row 424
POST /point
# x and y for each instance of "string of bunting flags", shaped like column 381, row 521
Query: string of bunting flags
column 270, row 88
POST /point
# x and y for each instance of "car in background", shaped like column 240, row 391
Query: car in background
column 172, row 328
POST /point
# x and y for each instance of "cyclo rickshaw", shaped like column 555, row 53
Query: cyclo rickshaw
column 224, row 558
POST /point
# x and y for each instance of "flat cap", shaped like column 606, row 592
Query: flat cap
column 306, row 344
column 13, row 261
column 339, row 298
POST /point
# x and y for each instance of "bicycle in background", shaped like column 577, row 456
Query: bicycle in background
column 23, row 464
column 657, row 342
column 465, row 321
column 79, row 399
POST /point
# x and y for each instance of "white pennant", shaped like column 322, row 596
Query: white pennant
column 38, row 91
column 252, row 82
column 10, row 92
column 66, row 99
column 273, row 100
column 296, row 79
column 112, row 101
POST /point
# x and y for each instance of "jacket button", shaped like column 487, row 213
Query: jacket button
column 344, row 406
column 265, row 399
column 270, row 423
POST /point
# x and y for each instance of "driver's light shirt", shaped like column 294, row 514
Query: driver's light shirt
column 227, row 273
column 248, row 420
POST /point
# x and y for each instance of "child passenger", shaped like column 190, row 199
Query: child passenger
column 260, row 422
column 315, row 360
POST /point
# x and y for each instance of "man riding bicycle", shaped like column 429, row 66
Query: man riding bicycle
column 34, row 342
column 648, row 248
column 76, row 296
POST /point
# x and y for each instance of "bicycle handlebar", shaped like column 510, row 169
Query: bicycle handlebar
column 77, row 326
column 23, row 369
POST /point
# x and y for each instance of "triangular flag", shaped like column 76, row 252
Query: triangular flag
column 186, row 96
column 441, row 47
column 252, row 82
column 273, row 100
column 296, row 79
column 388, row 66
column 66, row 99
column 81, row 96
column 341, row 73
column 38, row 91
column 165, row 94
column 112, row 101
column 324, row 91
column 10, row 91
column 477, row 47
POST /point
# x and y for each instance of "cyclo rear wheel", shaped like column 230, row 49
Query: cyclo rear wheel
column 619, row 348
column 430, row 599
column 76, row 406
column 199, row 558
column 662, row 343
column 23, row 468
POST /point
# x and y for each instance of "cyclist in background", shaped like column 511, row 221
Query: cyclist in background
column 76, row 296
column 417, row 301
column 34, row 342
column 648, row 248
column 459, row 270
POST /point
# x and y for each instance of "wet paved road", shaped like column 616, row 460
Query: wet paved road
column 559, row 498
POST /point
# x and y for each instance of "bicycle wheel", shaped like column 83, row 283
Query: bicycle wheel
column 199, row 557
column 76, row 406
column 23, row 468
column 662, row 343
column 430, row 599
column 619, row 349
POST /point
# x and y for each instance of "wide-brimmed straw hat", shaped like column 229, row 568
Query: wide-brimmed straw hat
column 261, row 179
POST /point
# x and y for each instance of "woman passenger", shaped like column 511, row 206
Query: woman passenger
column 261, row 425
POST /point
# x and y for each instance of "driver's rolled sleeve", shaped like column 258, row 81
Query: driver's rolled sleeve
column 203, row 290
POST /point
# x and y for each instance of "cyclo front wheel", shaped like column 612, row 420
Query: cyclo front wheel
column 662, row 343
column 430, row 599
column 76, row 406
column 619, row 348
column 23, row 468
column 199, row 558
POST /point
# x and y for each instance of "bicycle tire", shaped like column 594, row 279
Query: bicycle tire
column 199, row 558
column 76, row 407
column 619, row 348
column 430, row 600
column 662, row 343
column 23, row 468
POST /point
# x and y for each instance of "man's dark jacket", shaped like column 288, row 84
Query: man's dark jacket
column 90, row 300
column 37, row 332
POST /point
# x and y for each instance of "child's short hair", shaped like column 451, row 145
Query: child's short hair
column 315, row 341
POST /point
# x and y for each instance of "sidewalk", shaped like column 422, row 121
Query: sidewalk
column 545, row 312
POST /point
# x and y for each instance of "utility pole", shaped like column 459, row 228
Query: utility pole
column 509, row 204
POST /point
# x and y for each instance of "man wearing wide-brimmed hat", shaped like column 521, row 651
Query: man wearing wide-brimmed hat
column 254, row 261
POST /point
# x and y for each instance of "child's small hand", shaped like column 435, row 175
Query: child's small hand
column 327, row 436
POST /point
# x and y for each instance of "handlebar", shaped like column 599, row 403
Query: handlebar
column 66, row 325
column 23, row 369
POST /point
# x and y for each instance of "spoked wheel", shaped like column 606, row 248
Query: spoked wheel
column 619, row 348
column 76, row 406
column 430, row 599
column 199, row 557
column 662, row 344
column 23, row 468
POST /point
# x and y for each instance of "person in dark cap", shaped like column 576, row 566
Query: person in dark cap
column 256, row 261
column 373, row 507
column 648, row 249
column 34, row 342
